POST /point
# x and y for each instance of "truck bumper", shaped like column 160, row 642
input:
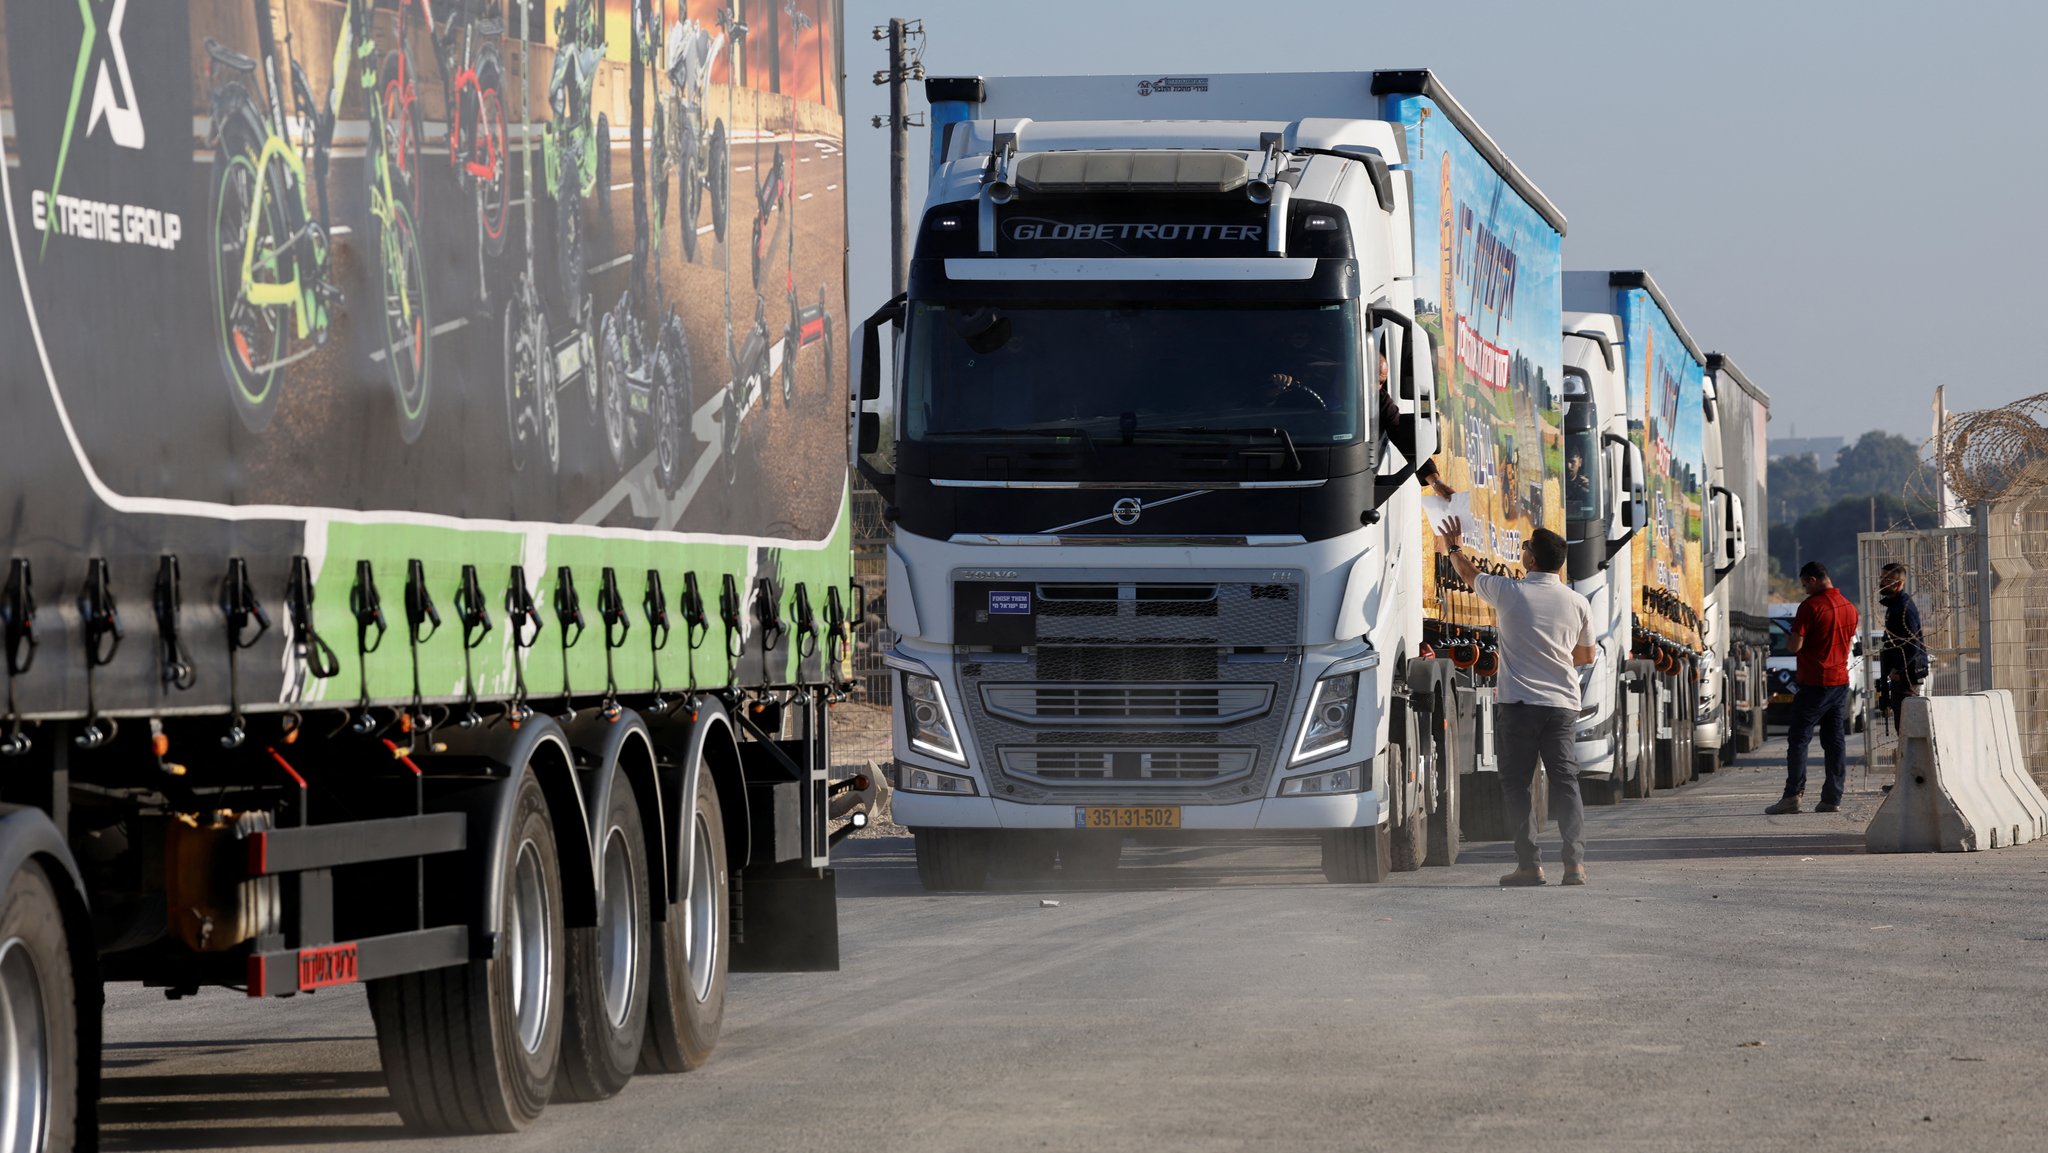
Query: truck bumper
column 1595, row 758
column 1347, row 811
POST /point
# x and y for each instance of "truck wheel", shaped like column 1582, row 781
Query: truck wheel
column 1449, row 738
column 687, row 1005
column 609, row 961
column 1357, row 856
column 474, row 1048
column 1089, row 854
column 1410, row 842
column 1023, row 854
column 1635, row 737
column 951, row 858
column 39, row 1067
column 1602, row 791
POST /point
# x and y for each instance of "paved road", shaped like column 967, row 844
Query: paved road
column 1728, row 981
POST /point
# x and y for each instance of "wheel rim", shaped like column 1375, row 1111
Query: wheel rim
column 700, row 920
column 24, row 1050
column 619, row 932
column 529, row 949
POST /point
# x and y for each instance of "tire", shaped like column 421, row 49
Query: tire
column 1023, row 854
column 569, row 273
column 671, row 404
column 250, row 336
column 1448, row 734
column 404, row 131
column 611, row 378
column 1410, row 826
column 719, row 176
column 1639, row 778
column 522, row 382
column 686, row 1006
column 1599, row 792
column 610, row 963
column 1090, row 854
column 689, row 189
column 1357, row 856
column 603, row 191
column 1727, row 756
column 464, row 1051
column 493, row 206
column 408, row 327
column 952, row 859
column 39, row 1007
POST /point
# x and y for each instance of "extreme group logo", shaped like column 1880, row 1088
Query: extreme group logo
column 54, row 212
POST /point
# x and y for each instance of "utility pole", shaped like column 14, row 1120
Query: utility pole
column 906, row 63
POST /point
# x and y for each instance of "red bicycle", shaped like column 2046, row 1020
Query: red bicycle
column 466, row 48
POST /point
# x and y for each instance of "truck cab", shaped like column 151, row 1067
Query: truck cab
column 1604, row 507
column 1163, row 388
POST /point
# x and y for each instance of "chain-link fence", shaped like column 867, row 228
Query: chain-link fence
column 871, row 572
column 1982, row 592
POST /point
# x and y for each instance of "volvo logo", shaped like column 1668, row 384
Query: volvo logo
column 1127, row 510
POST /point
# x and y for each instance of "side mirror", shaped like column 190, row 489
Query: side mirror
column 1631, row 498
column 866, row 425
column 1730, row 543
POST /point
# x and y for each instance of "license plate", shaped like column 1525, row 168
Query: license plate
column 1127, row 816
column 325, row 966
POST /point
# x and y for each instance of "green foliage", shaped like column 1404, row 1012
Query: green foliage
column 1817, row 515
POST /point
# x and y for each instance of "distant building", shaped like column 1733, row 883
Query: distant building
column 1823, row 448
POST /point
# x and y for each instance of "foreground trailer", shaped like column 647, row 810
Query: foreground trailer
column 1160, row 561
column 336, row 650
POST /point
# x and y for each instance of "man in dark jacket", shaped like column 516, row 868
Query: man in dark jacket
column 1902, row 662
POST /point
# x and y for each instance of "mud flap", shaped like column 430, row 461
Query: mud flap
column 785, row 919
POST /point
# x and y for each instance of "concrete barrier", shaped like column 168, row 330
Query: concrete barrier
column 1963, row 783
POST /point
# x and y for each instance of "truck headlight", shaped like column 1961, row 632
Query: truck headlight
column 1346, row 780
column 927, row 719
column 912, row 779
column 1327, row 729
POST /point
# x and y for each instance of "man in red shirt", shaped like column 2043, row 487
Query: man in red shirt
column 1822, row 633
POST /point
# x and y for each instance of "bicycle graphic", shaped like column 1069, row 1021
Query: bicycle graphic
column 700, row 156
column 273, row 268
column 466, row 50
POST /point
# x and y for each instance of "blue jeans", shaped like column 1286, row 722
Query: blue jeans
column 1825, row 707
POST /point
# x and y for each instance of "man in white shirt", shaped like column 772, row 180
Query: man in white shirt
column 1545, row 631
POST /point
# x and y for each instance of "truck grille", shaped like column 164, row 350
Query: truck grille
column 1139, row 691
column 1085, row 704
column 1054, row 765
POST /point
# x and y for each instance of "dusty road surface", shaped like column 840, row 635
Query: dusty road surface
column 1728, row 981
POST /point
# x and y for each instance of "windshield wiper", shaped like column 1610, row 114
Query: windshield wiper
column 1280, row 434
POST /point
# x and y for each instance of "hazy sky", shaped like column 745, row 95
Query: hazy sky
column 1846, row 197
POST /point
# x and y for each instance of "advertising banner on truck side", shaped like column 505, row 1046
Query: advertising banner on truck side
column 1487, row 295
column 476, row 282
column 1666, row 422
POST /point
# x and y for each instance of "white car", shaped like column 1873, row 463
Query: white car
column 1778, row 667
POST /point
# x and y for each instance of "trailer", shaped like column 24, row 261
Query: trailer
column 1743, row 594
column 1161, row 565
column 1661, row 369
column 334, row 654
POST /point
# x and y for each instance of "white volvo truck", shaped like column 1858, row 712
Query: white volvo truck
column 1605, row 505
column 1661, row 374
column 1160, row 561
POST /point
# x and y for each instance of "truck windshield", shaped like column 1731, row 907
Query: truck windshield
column 1130, row 370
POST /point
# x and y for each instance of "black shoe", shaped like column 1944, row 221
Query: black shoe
column 1827, row 807
column 1786, row 805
